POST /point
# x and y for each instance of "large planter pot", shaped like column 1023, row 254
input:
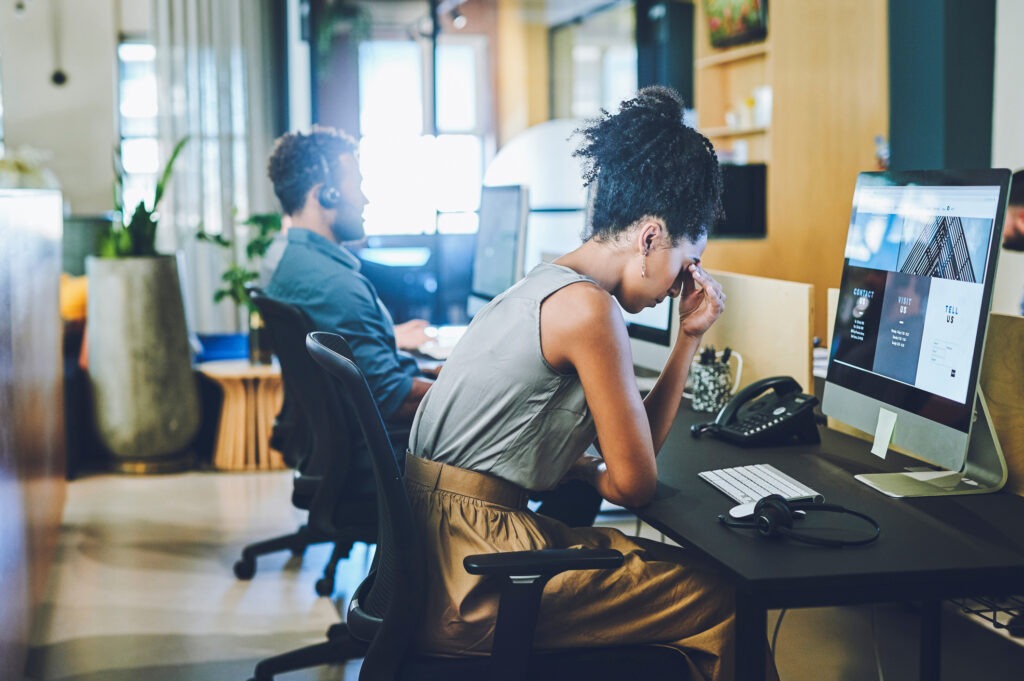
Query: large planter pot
column 145, row 397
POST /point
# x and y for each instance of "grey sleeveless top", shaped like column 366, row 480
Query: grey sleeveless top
column 498, row 407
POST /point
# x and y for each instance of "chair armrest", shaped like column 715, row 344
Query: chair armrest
column 547, row 562
column 522, row 576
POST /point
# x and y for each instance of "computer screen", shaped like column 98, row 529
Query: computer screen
column 500, row 240
column 651, row 332
column 914, row 299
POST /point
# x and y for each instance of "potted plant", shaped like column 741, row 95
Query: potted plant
column 145, row 398
column 241, row 274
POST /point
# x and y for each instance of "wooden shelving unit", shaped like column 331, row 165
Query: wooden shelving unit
column 731, row 55
column 827, row 66
column 726, row 131
column 725, row 81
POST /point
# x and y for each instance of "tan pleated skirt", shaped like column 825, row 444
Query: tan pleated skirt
column 661, row 594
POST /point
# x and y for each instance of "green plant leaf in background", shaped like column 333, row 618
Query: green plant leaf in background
column 137, row 237
column 267, row 226
column 237, row 275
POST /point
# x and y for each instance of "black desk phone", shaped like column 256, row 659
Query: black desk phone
column 772, row 411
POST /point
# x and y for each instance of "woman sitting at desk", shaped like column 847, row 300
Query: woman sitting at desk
column 544, row 371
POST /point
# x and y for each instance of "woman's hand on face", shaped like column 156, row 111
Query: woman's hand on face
column 700, row 303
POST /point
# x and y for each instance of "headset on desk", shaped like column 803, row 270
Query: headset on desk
column 773, row 517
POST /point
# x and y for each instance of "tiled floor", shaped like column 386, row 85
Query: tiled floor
column 143, row 588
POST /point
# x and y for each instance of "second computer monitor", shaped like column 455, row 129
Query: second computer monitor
column 500, row 241
column 651, row 333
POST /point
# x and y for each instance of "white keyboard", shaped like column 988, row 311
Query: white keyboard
column 442, row 341
column 748, row 484
column 435, row 350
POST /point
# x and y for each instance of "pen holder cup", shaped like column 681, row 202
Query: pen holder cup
column 711, row 385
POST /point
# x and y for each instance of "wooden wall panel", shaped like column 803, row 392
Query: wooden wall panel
column 32, row 462
column 521, row 70
column 768, row 321
column 828, row 66
column 1002, row 380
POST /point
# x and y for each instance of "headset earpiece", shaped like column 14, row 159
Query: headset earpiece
column 328, row 196
column 773, row 515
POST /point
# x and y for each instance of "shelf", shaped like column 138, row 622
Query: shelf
column 723, row 131
column 733, row 54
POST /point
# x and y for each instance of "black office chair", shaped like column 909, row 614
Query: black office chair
column 386, row 608
column 310, row 434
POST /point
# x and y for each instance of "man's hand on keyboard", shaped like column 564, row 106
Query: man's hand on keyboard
column 411, row 334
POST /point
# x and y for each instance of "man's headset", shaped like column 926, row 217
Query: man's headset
column 328, row 196
column 773, row 517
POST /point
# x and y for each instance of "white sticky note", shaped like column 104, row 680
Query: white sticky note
column 883, row 432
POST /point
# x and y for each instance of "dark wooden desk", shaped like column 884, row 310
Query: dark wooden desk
column 930, row 549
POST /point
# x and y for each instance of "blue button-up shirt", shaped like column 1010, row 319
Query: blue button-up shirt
column 323, row 279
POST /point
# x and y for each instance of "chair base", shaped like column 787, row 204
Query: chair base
column 341, row 551
column 339, row 647
column 296, row 542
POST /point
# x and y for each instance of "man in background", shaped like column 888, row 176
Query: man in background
column 316, row 178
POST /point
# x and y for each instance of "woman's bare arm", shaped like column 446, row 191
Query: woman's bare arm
column 582, row 330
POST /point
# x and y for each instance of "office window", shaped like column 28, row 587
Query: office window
column 139, row 146
column 593, row 62
column 417, row 182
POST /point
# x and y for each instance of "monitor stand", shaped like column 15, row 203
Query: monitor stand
column 984, row 470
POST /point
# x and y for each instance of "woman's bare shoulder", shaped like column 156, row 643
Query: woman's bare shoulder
column 582, row 301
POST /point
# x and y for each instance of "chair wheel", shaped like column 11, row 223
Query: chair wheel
column 245, row 568
column 324, row 586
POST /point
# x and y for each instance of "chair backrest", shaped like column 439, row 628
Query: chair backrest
column 292, row 431
column 387, row 606
column 303, row 381
column 344, row 500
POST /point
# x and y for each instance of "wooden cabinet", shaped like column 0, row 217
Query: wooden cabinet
column 827, row 66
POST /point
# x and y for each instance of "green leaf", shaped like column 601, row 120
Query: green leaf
column 137, row 234
column 166, row 176
column 267, row 225
column 213, row 239
column 141, row 232
column 108, row 245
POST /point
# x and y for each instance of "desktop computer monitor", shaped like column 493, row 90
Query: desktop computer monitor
column 500, row 242
column 651, row 333
column 909, row 333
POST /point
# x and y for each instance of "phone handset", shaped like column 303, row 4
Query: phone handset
column 770, row 411
column 782, row 385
